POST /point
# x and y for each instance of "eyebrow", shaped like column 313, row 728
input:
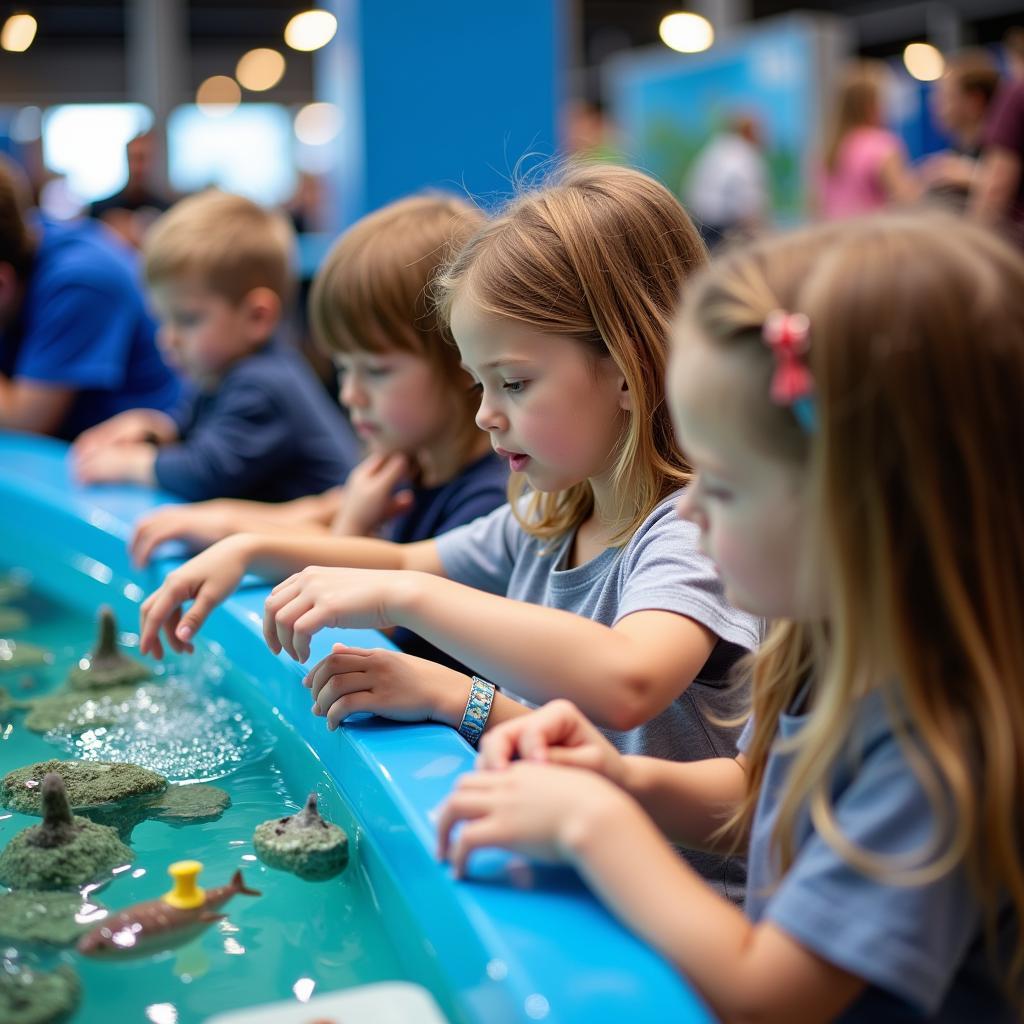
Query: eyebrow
column 496, row 363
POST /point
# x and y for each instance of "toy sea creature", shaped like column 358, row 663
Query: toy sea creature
column 302, row 843
column 107, row 666
column 159, row 924
column 64, row 850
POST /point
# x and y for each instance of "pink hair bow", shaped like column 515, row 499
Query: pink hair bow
column 787, row 335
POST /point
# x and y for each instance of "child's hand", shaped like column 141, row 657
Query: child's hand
column 131, row 427
column 200, row 524
column 558, row 733
column 369, row 499
column 205, row 580
column 120, row 463
column 547, row 812
column 320, row 598
column 388, row 683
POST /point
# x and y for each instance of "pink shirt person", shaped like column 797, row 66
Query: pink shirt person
column 856, row 185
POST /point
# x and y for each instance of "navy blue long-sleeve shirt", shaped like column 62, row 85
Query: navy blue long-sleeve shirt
column 269, row 432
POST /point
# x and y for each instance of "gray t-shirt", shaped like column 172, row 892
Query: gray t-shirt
column 920, row 948
column 660, row 568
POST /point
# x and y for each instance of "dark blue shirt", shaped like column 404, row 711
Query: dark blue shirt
column 269, row 432
column 83, row 325
column 480, row 488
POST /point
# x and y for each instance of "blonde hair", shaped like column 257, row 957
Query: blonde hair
column 372, row 291
column 229, row 243
column 857, row 104
column 917, row 352
column 597, row 254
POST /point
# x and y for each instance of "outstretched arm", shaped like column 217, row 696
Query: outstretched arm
column 747, row 972
column 620, row 677
column 212, row 575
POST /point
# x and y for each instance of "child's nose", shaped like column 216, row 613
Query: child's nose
column 352, row 394
column 489, row 418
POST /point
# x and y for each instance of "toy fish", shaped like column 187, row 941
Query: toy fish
column 174, row 918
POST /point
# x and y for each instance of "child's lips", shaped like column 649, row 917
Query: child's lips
column 517, row 461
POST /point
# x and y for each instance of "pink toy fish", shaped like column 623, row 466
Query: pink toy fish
column 155, row 925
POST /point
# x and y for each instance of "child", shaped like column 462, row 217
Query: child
column 590, row 587
column 851, row 399
column 865, row 164
column 405, row 392
column 260, row 426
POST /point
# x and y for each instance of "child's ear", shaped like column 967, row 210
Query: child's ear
column 263, row 309
column 625, row 396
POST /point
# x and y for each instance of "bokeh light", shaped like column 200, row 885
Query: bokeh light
column 18, row 32
column 316, row 124
column 218, row 96
column 260, row 69
column 924, row 62
column 687, row 33
column 310, row 30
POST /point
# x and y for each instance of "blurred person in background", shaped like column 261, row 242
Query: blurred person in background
column 998, row 196
column 962, row 104
column 1013, row 46
column 77, row 344
column 865, row 165
column 726, row 190
column 131, row 211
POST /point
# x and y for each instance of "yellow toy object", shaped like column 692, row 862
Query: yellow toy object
column 186, row 894
column 172, row 919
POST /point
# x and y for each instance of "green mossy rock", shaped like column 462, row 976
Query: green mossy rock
column 77, row 710
column 303, row 844
column 63, row 851
column 38, row 997
column 12, row 620
column 107, row 666
column 90, row 784
column 189, row 805
column 93, row 852
column 14, row 656
column 12, row 588
column 50, row 918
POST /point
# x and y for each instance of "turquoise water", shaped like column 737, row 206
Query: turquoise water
column 297, row 939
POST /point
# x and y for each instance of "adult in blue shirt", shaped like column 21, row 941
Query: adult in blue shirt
column 77, row 344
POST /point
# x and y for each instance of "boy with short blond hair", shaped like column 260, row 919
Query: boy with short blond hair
column 219, row 270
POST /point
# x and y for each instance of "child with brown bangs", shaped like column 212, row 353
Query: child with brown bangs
column 588, row 586
column 856, row 431
column 429, row 468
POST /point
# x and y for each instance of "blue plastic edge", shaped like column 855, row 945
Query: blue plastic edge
column 517, row 942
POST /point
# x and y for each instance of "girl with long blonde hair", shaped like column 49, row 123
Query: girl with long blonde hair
column 850, row 397
column 586, row 585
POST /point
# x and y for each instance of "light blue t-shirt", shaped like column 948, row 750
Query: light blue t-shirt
column 659, row 568
column 920, row 948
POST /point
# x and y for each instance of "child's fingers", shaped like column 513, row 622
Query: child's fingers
column 148, row 536
column 279, row 598
column 464, row 804
column 157, row 608
column 350, row 704
column 499, row 746
column 472, row 836
column 340, row 663
column 205, row 601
